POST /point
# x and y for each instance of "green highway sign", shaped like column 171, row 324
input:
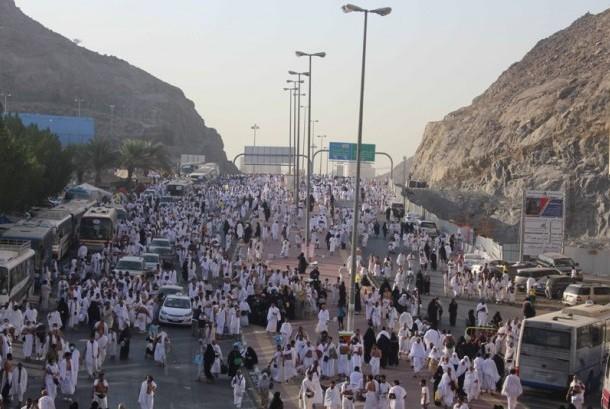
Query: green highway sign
column 347, row 151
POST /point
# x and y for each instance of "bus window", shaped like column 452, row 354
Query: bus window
column 589, row 336
column 546, row 337
column 3, row 281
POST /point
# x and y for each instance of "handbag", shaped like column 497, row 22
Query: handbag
column 223, row 368
column 391, row 396
column 198, row 360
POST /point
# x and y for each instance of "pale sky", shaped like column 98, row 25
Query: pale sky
column 231, row 57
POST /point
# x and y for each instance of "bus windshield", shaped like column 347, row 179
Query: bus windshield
column 93, row 228
column 546, row 337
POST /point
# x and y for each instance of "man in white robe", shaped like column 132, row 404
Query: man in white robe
column 482, row 313
column 332, row 397
column 417, row 356
column 286, row 331
column 323, row 318
column 273, row 317
column 512, row 389
column 20, row 383
column 45, row 401
column 239, row 388
column 146, row 399
column 397, row 396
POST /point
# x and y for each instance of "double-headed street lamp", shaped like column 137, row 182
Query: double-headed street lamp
column 78, row 101
column 384, row 11
column 298, row 141
column 254, row 129
column 320, row 54
column 6, row 96
column 290, row 92
column 295, row 88
column 321, row 137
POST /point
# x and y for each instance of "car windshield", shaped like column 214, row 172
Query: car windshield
column 546, row 337
column 153, row 258
column 160, row 250
column 577, row 290
column 428, row 225
column 563, row 262
column 128, row 265
column 159, row 243
column 177, row 303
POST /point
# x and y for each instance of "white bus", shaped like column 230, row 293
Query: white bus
column 97, row 227
column 16, row 270
column 65, row 219
column 556, row 345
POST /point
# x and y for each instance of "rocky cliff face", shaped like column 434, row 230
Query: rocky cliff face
column 45, row 72
column 542, row 125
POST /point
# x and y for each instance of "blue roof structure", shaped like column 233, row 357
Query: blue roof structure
column 69, row 129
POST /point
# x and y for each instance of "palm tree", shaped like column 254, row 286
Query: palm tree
column 141, row 154
column 80, row 160
column 102, row 156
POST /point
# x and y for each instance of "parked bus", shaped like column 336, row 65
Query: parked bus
column 556, row 345
column 40, row 237
column 65, row 219
column 16, row 270
column 97, row 227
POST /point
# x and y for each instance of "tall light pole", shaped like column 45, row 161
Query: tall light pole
column 289, row 128
column 78, row 103
column 348, row 8
column 6, row 96
column 298, row 104
column 321, row 137
column 294, row 126
column 254, row 129
column 111, row 120
column 320, row 54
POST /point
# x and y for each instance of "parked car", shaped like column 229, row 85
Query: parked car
column 151, row 261
column 560, row 262
column 523, row 274
column 176, row 309
column 131, row 264
column 428, row 227
column 583, row 292
column 472, row 259
column 163, row 247
column 556, row 285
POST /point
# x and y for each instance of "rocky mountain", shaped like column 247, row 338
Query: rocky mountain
column 45, row 72
column 543, row 124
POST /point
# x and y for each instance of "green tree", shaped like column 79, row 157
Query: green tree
column 102, row 156
column 80, row 161
column 33, row 165
column 144, row 155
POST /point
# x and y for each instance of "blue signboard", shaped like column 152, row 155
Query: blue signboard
column 69, row 129
column 345, row 151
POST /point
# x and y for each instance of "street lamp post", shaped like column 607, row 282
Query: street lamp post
column 78, row 103
column 348, row 8
column 322, row 137
column 254, row 129
column 6, row 96
column 111, row 120
column 298, row 74
column 289, row 127
column 320, row 54
column 295, row 84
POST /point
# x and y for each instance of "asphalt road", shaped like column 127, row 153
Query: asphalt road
column 176, row 384
column 532, row 399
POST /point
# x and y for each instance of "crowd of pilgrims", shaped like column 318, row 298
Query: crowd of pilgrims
column 400, row 328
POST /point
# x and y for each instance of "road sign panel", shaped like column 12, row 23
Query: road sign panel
column 344, row 151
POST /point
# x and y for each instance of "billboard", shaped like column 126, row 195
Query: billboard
column 347, row 151
column 542, row 223
column 69, row 129
column 268, row 155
